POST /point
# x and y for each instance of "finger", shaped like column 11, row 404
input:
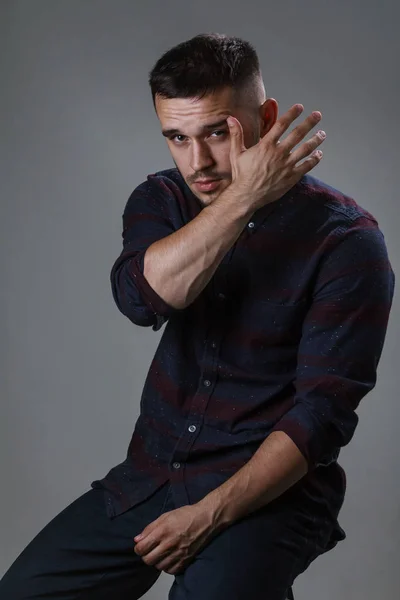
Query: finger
column 308, row 164
column 299, row 132
column 175, row 566
column 283, row 123
column 236, row 137
column 175, row 569
column 172, row 568
column 305, row 149
column 146, row 546
column 148, row 529
column 159, row 556
column 168, row 564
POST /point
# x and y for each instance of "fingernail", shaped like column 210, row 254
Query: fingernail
column 322, row 133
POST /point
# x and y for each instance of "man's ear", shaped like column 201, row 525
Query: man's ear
column 268, row 115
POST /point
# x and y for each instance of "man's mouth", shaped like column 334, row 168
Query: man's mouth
column 206, row 185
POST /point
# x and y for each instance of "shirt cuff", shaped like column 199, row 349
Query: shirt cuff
column 311, row 437
column 162, row 310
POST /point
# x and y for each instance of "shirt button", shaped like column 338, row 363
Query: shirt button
column 192, row 428
column 221, row 296
column 176, row 465
column 251, row 225
column 207, row 382
column 214, row 345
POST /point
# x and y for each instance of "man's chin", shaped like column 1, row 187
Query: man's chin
column 206, row 197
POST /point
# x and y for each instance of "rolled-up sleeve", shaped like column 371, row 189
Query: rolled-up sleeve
column 341, row 343
column 146, row 219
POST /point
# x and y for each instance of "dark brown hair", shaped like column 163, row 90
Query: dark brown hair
column 202, row 65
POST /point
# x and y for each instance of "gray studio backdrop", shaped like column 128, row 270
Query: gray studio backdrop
column 78, row 133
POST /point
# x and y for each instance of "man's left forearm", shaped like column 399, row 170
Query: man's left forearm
column 275, row 467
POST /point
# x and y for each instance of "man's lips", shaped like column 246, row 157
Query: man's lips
column 207, row 184
column 206, row 180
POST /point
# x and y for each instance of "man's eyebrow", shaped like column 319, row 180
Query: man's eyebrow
column 171, row 132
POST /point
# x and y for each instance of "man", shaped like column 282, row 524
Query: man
column 276, row 290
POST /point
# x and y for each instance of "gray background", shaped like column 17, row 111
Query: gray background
column 78, row 133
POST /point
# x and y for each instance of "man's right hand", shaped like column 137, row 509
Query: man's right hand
column 266, row 171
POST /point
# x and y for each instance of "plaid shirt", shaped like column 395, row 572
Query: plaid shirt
column 286, row 336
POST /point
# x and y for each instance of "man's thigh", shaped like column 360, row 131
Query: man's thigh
column 256, row 558
column 84, row 554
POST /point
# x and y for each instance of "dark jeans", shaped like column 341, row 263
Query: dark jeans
column 82, row 554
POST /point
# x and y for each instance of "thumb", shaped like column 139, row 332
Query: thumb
column 236, row 135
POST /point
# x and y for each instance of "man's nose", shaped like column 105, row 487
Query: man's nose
column 201, row 158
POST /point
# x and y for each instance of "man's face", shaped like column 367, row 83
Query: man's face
column 198, row 137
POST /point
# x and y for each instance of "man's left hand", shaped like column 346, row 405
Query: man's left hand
column 171, row 542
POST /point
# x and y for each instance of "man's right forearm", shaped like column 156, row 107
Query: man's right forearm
column 179, row 266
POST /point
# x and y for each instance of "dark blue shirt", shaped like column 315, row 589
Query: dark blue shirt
column 286, row 336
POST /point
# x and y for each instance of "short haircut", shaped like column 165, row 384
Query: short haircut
column 207, row 63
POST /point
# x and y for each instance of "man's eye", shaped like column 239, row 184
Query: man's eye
column 174, row 138
column 179, row 139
